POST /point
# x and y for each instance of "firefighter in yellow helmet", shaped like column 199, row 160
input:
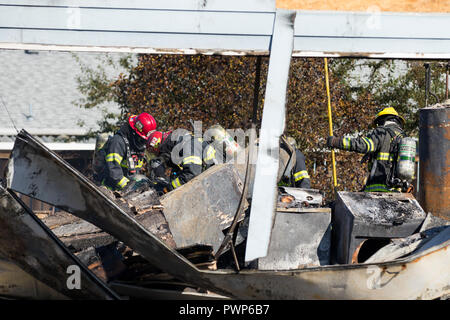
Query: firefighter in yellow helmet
column 378, row 148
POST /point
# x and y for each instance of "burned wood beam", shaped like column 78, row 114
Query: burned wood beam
column 77, row 228
column 83, row 241
column 142, row 202
column 106, row 262
column 155, row 222
column 58, row 219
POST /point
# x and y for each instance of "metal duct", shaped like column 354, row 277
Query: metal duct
column 434, row 155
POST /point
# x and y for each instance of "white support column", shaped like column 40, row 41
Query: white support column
column 272, row 127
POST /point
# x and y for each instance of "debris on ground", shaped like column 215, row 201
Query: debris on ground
column 133, row 245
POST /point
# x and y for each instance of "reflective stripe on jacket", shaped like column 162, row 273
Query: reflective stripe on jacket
column 378, row 144
column 187, row 155
column 118, row 173
column 300, row 174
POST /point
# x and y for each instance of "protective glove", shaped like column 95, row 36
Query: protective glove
column 162, row 186
column 129, row 187
column 157, row 167
column 142, row 183
column 155, row 163
column 333, row 142
column 136, row 185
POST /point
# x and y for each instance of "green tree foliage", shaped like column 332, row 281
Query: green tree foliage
column 395, row 83
column 219, row 89
column 179, row 88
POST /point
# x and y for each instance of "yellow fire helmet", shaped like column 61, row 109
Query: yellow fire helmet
column 386, row 112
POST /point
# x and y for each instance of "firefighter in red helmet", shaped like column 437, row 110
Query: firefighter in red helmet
column 186, row 156
column 143, row 125
column 122, row 156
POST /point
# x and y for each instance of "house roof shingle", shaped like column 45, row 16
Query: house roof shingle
column 39, row 89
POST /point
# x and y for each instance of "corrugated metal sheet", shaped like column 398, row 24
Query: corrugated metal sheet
column 200, row 5
column 372, row 34
column 200, row 25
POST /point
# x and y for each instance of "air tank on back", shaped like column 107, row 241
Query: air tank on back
column 406, row 159
column 223, row 141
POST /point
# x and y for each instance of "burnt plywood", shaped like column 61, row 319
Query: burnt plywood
column 155, row 222
column 199, row 210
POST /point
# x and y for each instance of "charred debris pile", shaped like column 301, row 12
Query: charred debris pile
column 140, row 245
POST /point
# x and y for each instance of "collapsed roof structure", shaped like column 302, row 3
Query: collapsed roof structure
column 38, row 172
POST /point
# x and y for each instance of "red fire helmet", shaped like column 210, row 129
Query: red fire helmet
column 155, row 139
column 142, row 124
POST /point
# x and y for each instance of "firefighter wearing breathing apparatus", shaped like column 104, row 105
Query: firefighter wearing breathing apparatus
column 391, row 155
column 122, row 156
column 186, row 155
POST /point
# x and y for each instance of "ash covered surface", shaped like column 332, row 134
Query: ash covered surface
column 445, row 104
column 383, row 208
column 298, row 198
